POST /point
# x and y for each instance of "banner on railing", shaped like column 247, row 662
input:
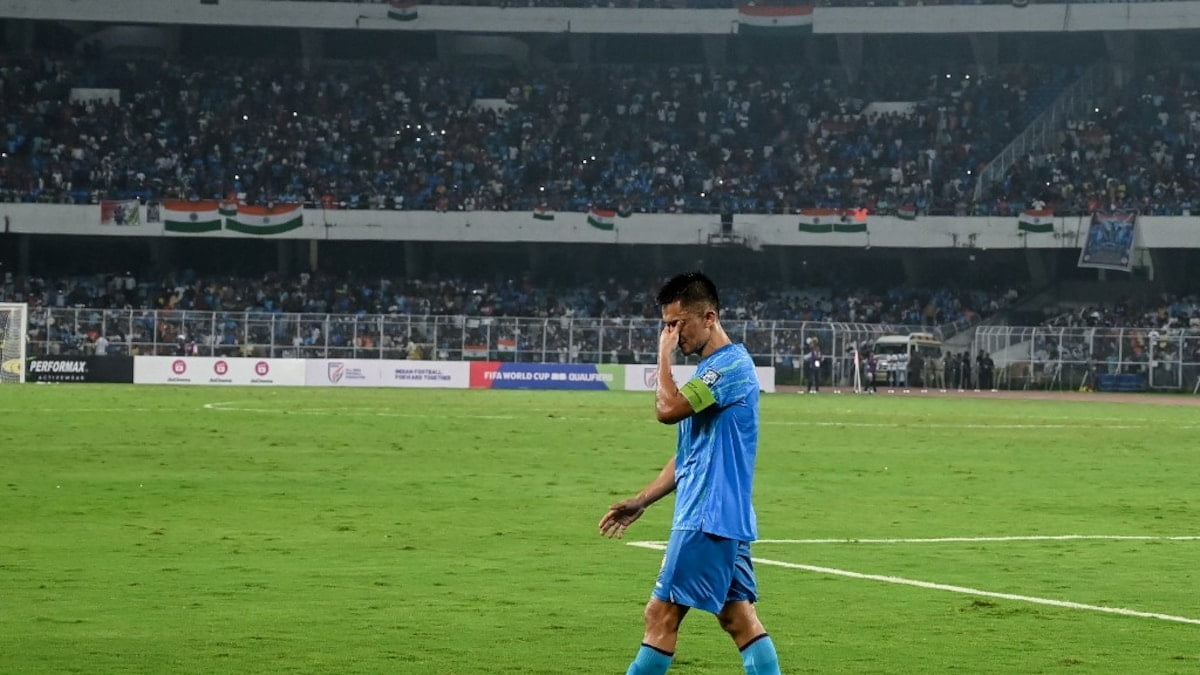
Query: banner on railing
column 770, row 19
column 497, row 375
column 218, row 371
column 373, row 373
column 645, row 377
column 120, row 212
column 1109, row 242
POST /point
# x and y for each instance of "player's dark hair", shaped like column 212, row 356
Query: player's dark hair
column 690, row 289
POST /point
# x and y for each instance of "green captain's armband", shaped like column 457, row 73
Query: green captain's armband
column 698, row 394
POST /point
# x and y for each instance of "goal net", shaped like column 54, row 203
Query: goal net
column 13, row 320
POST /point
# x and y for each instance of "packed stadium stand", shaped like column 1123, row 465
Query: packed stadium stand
column 325, row 293
column 431, row 137
column 938, row 176
column 1136, row 150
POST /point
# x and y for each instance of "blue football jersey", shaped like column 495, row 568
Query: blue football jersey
column 717, row 446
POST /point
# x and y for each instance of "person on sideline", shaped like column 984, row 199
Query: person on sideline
column 869, row 367
column 812, row 366
column 707, row 563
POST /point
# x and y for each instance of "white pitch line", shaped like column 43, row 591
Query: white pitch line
column 975, row 591
column 945, row 540
column 965, row 590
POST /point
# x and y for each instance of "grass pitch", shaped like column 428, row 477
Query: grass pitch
column 204, row 530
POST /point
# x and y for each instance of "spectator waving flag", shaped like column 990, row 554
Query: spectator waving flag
column 601, row 219
column 266, row 220
column 402, row 10
column 772, row 20
column 191, row 216
column 906, row 212
column 1036, row 220
column 543, row 213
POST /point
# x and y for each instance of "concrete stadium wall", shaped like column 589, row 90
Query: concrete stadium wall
column 512, row 226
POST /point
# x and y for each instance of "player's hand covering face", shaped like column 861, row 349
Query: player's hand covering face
column 685, row 329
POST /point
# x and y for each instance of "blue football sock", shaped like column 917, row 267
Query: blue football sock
column 759, row 657
column 650, row 661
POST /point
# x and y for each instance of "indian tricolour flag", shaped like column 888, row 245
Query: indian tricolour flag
column 846, row 224
column 906, row 212
column 601, row 219
column 187, row 216
column 1036, row 220
column 769, row 20
column 264, row 220
column 819, row 220
column 543, row 213
column 402, row 10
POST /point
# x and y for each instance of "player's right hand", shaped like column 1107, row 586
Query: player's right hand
column 620, row 516
column 668, row 340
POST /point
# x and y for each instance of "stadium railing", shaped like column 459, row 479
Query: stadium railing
column 782, row 344
column 1025, row 357
column 1092, row 357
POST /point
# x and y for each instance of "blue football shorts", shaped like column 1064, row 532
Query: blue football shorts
column 705, row 571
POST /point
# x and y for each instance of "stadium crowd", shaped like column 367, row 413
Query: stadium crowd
column 1137, row 152
column 324, row 293
column 427, row 137
column 320, row 310
column 1154, row 339
column 1168, row 313
column 330, row 316
column 653, row 138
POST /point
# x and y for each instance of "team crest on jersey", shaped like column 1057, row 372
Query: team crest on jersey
column 710, row 376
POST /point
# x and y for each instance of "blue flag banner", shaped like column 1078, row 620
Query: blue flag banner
column 1109, row 242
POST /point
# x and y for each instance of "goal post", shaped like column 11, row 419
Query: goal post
column 14, row 324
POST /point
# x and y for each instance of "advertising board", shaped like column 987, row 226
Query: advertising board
column 79, row 369
column 585, row 376
column 214, row 370
column 391, row 373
